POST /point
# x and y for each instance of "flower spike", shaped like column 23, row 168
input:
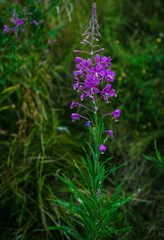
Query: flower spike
column 94, row 78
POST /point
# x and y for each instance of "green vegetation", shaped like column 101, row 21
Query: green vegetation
column 38, row 140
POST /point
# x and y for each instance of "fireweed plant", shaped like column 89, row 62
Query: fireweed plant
column 90, row 218
column 19, row 22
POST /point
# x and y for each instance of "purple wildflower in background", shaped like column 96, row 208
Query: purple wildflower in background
column 94, row 76
column 6, row 29
column 18, row 23
column 35, row 22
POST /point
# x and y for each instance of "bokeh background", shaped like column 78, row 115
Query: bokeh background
column 38, row 140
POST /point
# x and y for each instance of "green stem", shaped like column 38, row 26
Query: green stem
column 95, row 115
column 97, row 140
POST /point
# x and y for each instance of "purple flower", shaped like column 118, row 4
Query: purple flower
column 110, row 75
column 12, row 20
column 75, row 73
column 77, row 84
column 19, row 23
column 88, row 124
column 75, row 116
column 80, row 89
column 93, row 73
column 35, row 22
column 89, row 62
column 97, row 58
column 98, row 70
column 78, row 51
column 107, row 91
column 15, row 30
column 83, row 63
column 92, row 83
column 116, row 114
column 6, row 29
column 78, row 60
column 104, row 61
column 90, row 76
column 110, row 133
column 102, row 148
column 80, row 68
column 74, row 104
column 96, row 109
column 82, row 97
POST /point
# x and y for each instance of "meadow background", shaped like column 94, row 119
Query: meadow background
column 38, row 140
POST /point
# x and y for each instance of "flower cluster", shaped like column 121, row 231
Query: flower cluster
column 94, row 76
column 18, row 23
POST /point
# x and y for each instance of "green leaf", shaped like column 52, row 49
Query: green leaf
column 71, row 202
column 93, row 134
column 65, row 204
column 112, row 230
column 85, row 204
column 10, row 89
column 116, row 193
column 91, row 167
column 101, row 125
column 84, row 178
column 108, row 159
column 158, row 154
column 60, row 228
column 93, row 153
column 153, row 159
column 66, row 229
column 113, row 169
column 4, row 76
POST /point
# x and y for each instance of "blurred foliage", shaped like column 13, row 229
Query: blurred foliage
column 158, row 159
column 38, row 139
